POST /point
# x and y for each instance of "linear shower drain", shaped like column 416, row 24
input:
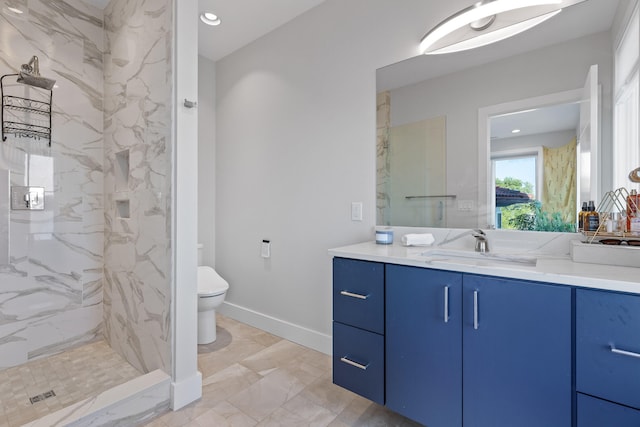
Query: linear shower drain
column 43, row 396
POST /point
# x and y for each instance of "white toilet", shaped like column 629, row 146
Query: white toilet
column 211, row 292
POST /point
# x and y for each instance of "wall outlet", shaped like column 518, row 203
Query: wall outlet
column 465, row 205
column 356, row 211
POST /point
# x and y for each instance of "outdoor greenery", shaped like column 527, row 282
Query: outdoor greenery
column 515, row 184
column 530, row 216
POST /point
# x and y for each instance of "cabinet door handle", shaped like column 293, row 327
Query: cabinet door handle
column 624, row 352
column 348, row 361
column 446, row 304
column 352, row 295
column 475, row 309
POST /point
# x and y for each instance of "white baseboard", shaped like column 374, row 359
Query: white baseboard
column 292, row 332
column 186, row 391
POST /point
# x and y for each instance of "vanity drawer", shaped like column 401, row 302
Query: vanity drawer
column 358, row 361
column 608, row 346
column 358, row 294
column 593, row 412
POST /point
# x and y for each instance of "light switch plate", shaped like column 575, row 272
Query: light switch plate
column 265, row 251
column 356, row 211
column 27, row 198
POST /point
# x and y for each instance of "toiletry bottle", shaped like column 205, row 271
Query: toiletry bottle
column 585, row 224
column 592, row 219
column 581, row 216
column 632, row 208
column 633, row 215
column 585, row 219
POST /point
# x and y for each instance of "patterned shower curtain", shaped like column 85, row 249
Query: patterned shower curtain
column 559, row 169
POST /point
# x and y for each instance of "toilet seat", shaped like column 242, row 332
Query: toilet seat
column 210, row 284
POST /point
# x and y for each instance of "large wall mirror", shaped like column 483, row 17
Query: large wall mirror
column 464, row 139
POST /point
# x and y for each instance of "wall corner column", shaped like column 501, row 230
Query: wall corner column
column 186, row 385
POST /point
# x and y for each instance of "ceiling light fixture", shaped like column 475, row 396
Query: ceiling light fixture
column 15, row 10
column 515, row 131
column 486, row 22
column 209, row 18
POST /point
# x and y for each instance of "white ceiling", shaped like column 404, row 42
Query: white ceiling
column 243, row 21
column 553, row 118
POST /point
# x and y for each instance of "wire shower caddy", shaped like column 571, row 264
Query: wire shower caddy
column 25, row 117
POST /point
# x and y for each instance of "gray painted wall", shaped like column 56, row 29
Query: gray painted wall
column 206, row 158
column 295, row 145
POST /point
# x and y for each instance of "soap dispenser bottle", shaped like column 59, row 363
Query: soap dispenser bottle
column 592, row 219
column 581, row 216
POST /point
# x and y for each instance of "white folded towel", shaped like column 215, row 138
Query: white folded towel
column 424, row 239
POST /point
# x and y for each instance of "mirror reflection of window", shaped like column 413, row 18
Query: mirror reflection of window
column 515, row 179
column 534, row 162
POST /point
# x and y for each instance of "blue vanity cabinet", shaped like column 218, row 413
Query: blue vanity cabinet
column 608, row 355
column 451, row 349
column 594, row 412
column 424, row 345
column 358, row 327
column 517, row 364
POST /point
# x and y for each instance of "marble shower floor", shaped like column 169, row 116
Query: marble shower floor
column 73, row 376
column 252, row 378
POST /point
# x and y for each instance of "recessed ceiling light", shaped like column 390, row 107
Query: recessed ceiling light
column 209, row 18
column 15, row 10
column 515, row 131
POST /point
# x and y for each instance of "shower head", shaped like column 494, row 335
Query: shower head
column 30, row 75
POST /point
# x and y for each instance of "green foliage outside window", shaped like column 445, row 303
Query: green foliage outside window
column 515, row 184
column 530, row 216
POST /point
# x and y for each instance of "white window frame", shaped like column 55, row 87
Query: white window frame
column 626, row 108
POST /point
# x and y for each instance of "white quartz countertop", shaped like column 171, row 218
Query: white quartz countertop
column 547, row 268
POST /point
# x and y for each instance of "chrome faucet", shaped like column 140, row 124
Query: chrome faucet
column 482, row 241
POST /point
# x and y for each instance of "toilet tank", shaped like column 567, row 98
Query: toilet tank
column 200, row 246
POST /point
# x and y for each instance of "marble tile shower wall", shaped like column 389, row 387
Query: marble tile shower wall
column 137, row 136
column 51, row 292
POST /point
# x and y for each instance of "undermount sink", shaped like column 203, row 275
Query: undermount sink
column 487, row 259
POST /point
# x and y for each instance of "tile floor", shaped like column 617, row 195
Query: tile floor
column 73, row 376
column 252, row 378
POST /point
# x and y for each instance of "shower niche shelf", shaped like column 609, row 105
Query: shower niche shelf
column 22, row 116
column 122, row 209
column 121, row 171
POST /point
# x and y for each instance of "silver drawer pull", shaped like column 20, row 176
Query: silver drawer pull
column 624, row 352
column 475, row 310
column 352, row 295
column 446, row 304
column 352, row 363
